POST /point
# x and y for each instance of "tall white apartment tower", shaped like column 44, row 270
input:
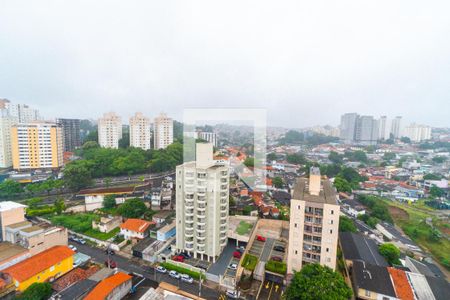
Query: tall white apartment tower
column 202, row 205
column 163, row 131
column 396, row 127
column 382, row 128
column 140, row 134
column 348, row 127
column 314, row 223
column 109, row 130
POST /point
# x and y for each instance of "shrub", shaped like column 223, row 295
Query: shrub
column 249, row 262
column 193, row 274
column 276, row 267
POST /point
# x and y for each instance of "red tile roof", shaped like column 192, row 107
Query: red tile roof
column 39, row 262
column 136, row 225
column 402, row 288
column 105, row 287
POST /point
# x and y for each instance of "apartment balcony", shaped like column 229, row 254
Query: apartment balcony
column 188, row 245
column 201, row 214
column 200, row 236
column 189, row 213
column 224, row 173
column 189, row 220
column 201, row 229
column 201, row 200
column 189, row 233
column 223, row 229
column 201, row 222
column 201, row 208
column 223, row 241
column 201, row 250
column 189, row 201
column 224, row 187
column 223, row 222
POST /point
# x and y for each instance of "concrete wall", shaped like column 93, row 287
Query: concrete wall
column 11, row 216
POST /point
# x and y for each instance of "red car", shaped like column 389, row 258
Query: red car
column 260, row 238
column 276, row 258
column 237, row 254
column 111, row 264
column 178, row 258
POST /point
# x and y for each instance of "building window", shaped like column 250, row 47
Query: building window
column 367, row 293
column 328, row 249
column 52, row 268
column 331, row 231
column 298, row 207
column 296, row 252
column 331, row 222
column 332, row 212
column 295, row 225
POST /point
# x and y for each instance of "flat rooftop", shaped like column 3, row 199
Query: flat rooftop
column 327, row 193
column 8, row 205
column 19, row 225
column 8, row 250
column 32, row 229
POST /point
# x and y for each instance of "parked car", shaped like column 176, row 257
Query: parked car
column 185, row 255
column 233, row 294
column 276, row 258
column 232, row 266
column 111, row 264
column 110, row 251
column 186, row 278
column 237, row 254
column 240, row 249
column 260, row 238
column 178, row 258
column 279, row 248
column 73, row 248
column 161, row 269
column 174, row 274
column 81, row 241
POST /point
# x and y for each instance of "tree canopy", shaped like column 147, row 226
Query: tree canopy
column 37, row 291
column 346, row 224
column 318, row 282
column 132, row 208
column 390, row 252
column 277, row 182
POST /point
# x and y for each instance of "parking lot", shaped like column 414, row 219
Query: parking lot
column 265, row 250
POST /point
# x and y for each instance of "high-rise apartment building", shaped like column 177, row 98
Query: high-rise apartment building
column 37, row 145
column 11, row 114
column 358, row 129
column 382, row 128
column 109, row 130
column 348, row 127
column 210, row 137
column 366, row 130
column 140, row 134
column 71, row 133
column 163, row 131
column 314, row 223
column 417, row 132
column 396, row 127
column 202, row 205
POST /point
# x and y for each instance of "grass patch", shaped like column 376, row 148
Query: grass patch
column 193, row 274
column 276, row 267
column 249, row 262
column 415, row 227
column 243, row 228
column 102, row 235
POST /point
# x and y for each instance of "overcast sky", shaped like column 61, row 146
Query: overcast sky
column 305, row 61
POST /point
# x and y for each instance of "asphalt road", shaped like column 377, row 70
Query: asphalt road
column 130, row 266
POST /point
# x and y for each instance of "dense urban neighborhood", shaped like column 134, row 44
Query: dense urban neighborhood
column 100, row 210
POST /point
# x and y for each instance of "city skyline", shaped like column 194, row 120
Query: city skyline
column 310, row 56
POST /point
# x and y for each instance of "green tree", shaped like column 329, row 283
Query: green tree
column 436, row 192
column 431, row 176
column 271, row 156
column 77, row 174
column 10, row 188
column 335, row 157
column 277, row 182
column 390, row 252
column 318, row 282
column 124, row 142
column 92, row 136
column 439, row 159
column 90, row 145
column 296, row 158
column 132, row 208
column 34, row 202
column 405, row 139
column 249, row 162
column 342, row 185
column 60, row 206
column 109, row 201
column 389, row 156
column 37, row 291
column 346, row 224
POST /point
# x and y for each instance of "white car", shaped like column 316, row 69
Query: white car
column 161, row 269
column 174, row 274
column 232, row 266
column 233, row 294
column 73, row 248
column 186, row 278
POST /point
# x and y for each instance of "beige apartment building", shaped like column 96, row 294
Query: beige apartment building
column 10, row 213
column 109, row 130
column 37, row 145
column 202, row 205
column 140, row 134
column 35, row 238
column 163, row 131
column 314, row 223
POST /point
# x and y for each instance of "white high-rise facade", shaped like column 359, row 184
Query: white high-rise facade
column 163, row 131
column 382, row 128
column 396, row 127
column 11, row 114
column 417, row 132
column 314, row 223
column 348, row 127
column 210, row 137
column 109, row 130
column 358, row 129
column 140, row 134
column 202, row 205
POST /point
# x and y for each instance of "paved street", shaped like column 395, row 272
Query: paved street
column 130, row 266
